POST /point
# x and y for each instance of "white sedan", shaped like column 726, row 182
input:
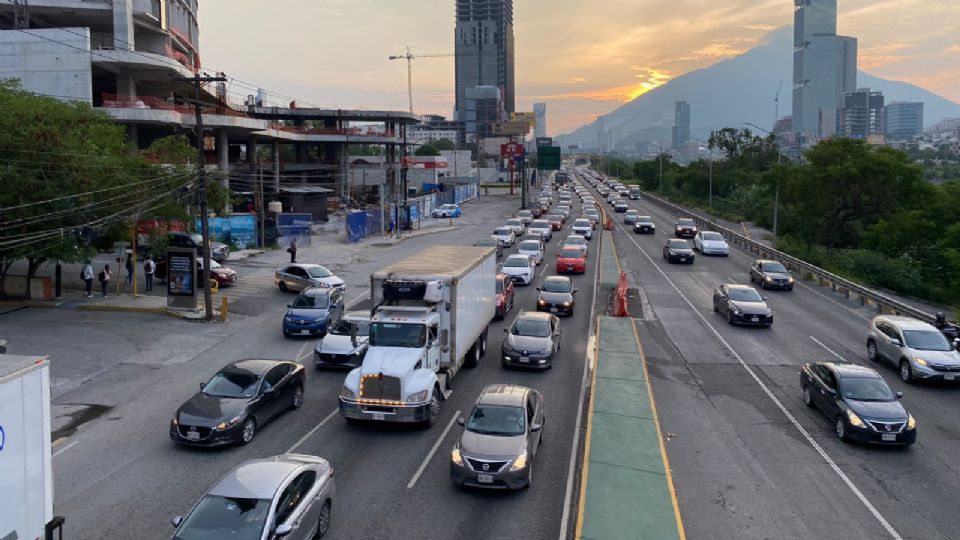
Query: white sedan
column 447, row 211
column 532, row 249
column 504, row 235
column 711, row 243
column 520, row 269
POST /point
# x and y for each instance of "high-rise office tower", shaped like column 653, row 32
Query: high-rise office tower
column 862, row 114
column 681, row 124
column 484, row 50
column 824, row 64
column 540, row 113
column 903, row 120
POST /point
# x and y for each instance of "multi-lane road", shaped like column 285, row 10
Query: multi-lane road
column 749, row 459
column 120, row 476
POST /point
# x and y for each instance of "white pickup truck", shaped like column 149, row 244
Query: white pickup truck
column 430, row 317
column 26, row 482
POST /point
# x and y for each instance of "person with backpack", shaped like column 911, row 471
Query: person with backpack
column 149, row 267
column 105, row 276
column 87, row 276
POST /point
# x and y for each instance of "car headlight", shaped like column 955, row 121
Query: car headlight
column 455, row 456
column 737, row 311
column 418, row 397
column 768, row 279
column 347, row 393
column 854, row 419
column 174, row 421
column 911, row 422
column 920, row 361
column 520, row 463
column 567, row 304
column 228, row 424
column 541, row 301
column 288, row 318
column 790, row 280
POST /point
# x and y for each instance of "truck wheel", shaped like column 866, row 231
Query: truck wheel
column 473, row 356
column 483, row 344
column 434, row 408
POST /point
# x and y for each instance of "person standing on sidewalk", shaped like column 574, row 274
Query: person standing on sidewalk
column 105, row 276
column 149, row 267
column 129, row 267
column 87, row 275
column 292, row 250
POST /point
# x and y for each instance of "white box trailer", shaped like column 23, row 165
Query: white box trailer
column 429, row 318
column 26, row 480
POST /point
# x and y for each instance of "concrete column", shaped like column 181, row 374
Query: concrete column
column 275, row 158
column 126, row 86
column 123, row 33
column 301, row 152
column 223, row 150
column 252, row 149
column 133, row 134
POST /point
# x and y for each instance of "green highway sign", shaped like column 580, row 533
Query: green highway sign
column 548, row 158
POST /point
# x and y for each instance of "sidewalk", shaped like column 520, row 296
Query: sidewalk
column 626, row 489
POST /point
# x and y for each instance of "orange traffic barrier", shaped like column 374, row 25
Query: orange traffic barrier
column 620, row 297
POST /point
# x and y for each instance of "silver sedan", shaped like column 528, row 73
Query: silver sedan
column 297, row 277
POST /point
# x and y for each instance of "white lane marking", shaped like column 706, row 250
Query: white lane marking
column 311, row 432
column 806, row 435
column 732, row 280
column 426, row 460
column 587, row 366
column 65, row 448
column 300, row 354
column 829, row 350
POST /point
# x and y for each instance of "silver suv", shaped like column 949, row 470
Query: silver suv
column 918, row 349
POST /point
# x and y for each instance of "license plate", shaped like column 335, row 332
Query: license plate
column 193, row 435
column 683, row 259
column 377, row 415
column 553, row 310
column 485, row 478
column 304, row 332
column 755, row 319
column 888, row 436
column 524, row 359
column 949, row 377
column 569, row 268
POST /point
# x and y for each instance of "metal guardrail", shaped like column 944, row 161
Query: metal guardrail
column 868, row 297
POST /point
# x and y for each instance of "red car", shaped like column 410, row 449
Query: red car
column 571, row 260
column 504, row 295
column 556, row 221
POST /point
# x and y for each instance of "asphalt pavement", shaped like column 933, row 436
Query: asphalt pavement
column 749, row 459
column 118, row 475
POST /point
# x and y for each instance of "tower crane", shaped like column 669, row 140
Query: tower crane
column 409, row 56
column 776, row 106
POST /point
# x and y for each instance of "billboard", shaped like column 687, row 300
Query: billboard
column 294, row 227
column 181, row 274
column 511, row 150
column 528, row 117
column 239, row 230
column 510, row 128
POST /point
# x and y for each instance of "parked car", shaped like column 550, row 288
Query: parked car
column 220, row 274
column 500, row 439
column 504, row 235
column 288, row 496
column 237, row 401
column 917, row 348
column 504, row 289
column 771, row 275
column 583, row 227
column 298, row 277
column 532, row 249
column 685, row 228
column 742, row 304
column 446, row 211
column 576, row 241
column 711, row 243
column 346, row 343
column 678, row 250
column 631, row 216
column 313, row 312
column 556, row 295
column 520, row 269
column 644, row 225
column 218, row 250
column 491, row 242
column 541, row 227
column 571, row 260
column 859, row 403
column 532, row 340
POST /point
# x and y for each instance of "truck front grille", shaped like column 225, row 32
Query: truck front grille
column 380, row 387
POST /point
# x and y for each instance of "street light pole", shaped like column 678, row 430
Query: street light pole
column 776, row 194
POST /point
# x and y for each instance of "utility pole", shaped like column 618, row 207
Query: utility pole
column 660, row 142
column 197, row 80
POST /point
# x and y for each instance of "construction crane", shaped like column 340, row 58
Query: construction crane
column 776, row 106
column 21, row 14
column 409, row 58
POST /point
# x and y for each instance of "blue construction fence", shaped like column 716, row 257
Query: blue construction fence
column 364, row 223
column 239, row 230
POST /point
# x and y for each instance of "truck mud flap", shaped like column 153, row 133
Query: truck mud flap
column 444, row 381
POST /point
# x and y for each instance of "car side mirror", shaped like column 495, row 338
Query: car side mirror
column 176, row 521
column 203, row 385
column 899, row 395
column 556, row 334
column 764, row 298
column 574, row 291
column 535, row 428
column 289, row 306
column 506, row 330
column 896, row 342
column 461, row 421
column 282, row 530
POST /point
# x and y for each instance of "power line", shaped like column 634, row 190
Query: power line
column 47, row 201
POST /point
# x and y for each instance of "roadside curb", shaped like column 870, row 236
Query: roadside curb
column 182, row 315
column 414, row 234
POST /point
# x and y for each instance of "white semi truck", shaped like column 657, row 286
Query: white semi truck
column 430, row 314
column 26, row 483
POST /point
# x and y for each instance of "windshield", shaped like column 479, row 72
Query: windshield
column 557, row 285
column 499, row 286
column 531, row 328
column 318, row 272
column 774, row 267
column 926, row 340
column 745, row 295
column 570, row 254
column 524, row 213
column 197, row 239
column 581, row 223
column 686, row 223
column 497, row 420
column 540, row 224
column 645, row 219
column 554, row 217
column 345, row 328
column 866, row 389
column 517, row 262
column 311, row 301
column 514, row 222
column 679, row 244
column 576, row 241
column 502, row 232
column 225, row 517
column 529, row 245
column 712, row 236
column 384, row 334
column 232, row 384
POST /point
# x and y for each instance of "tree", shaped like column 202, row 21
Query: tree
column 444, row 144
column 427, row 149
column 69, row 174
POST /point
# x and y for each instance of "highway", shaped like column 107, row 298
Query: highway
column 120, row 476
column 749, row 459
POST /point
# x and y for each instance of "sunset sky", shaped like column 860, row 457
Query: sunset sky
column 582, row 58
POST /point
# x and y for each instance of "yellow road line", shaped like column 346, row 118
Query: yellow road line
column 586, row 444
column 745, row 231
column 663, row 448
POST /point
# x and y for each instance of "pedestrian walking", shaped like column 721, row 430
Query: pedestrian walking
column 292, row 250
column 129, row 267
column 149, row 267
column 105, row 276
column 87, row 276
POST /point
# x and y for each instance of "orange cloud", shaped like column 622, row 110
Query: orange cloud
column 953, row 49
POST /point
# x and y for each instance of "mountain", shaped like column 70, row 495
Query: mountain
column 732, row 92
